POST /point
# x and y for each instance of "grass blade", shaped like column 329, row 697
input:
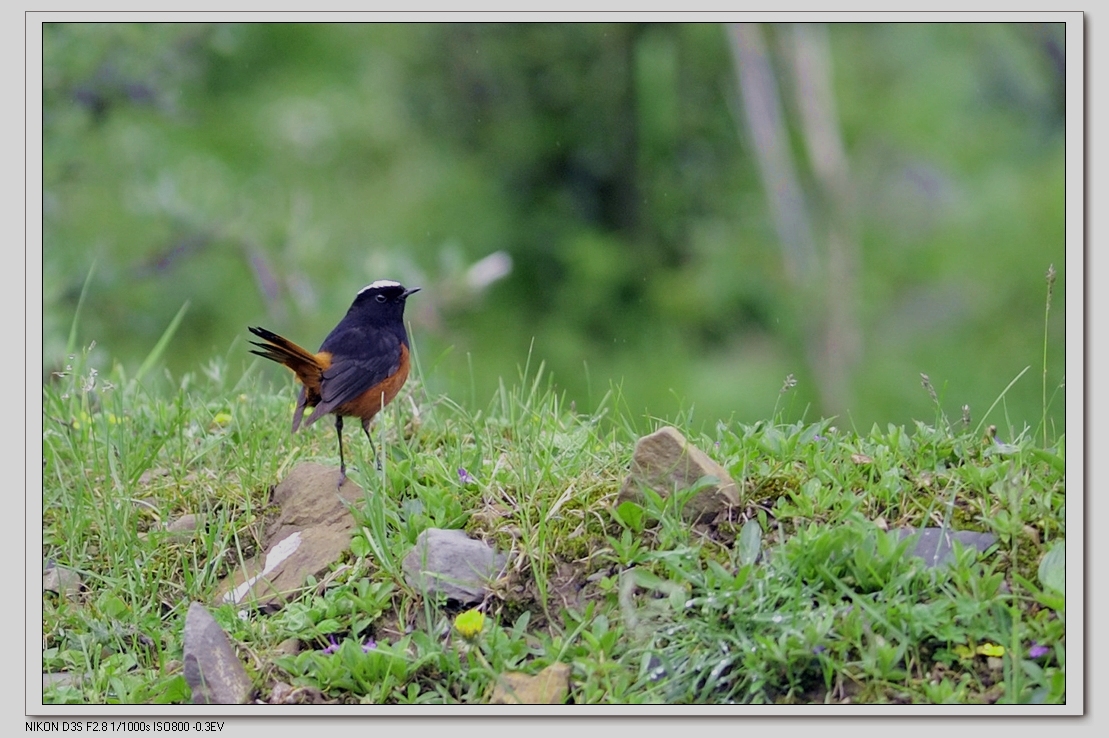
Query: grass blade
column 160, row 347
column 999, row 399
column 71, row 342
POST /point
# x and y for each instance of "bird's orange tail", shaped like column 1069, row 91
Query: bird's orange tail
column 303, row 363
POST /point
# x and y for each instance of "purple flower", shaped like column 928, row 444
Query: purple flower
column 1037, row 651
column 369, row 646
column 333, row 647
column 819, row 649
column 464, row 476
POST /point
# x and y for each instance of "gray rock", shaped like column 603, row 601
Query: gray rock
column 288, row 647
column 183, row 528
column 666, row 462
column 311, row 532
column 60, row 679
column 212, row 668
column 934, row 544
column 451, row 563
column 61, row 580
column 184, row 524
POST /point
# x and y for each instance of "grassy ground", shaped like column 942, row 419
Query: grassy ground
column 800, row 596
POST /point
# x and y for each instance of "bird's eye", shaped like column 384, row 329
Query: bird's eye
column 380, row 298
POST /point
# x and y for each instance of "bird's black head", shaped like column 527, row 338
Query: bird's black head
column 381, row 302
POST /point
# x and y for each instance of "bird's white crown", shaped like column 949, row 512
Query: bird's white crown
column 378, row 284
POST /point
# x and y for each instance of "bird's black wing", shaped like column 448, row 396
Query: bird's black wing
column 368, row 357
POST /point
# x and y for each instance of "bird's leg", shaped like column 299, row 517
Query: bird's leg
column 366, row 429
column 342, row 462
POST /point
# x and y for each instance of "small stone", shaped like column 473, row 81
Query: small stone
column 184, row 524
column 666, row 462
column 181, row 529
column 288, row 647
column 934, row 544
column 451, row 563
column 287, row 694
column 61, row 580
column 60, row 679
column 212, row 668
column 551, row 686
column 150, row 475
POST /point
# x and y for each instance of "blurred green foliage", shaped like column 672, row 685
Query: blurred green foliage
column 265, row 172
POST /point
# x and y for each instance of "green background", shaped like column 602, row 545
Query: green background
column 263, row 173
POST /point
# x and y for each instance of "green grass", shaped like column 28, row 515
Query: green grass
column 800, row 596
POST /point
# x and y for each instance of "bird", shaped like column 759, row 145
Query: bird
column 360, row 367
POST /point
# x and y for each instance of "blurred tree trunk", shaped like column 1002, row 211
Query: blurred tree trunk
column 825, row 281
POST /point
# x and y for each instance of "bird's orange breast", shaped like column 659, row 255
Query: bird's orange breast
column 370, row 402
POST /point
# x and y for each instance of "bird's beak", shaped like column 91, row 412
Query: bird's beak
column 406, row 293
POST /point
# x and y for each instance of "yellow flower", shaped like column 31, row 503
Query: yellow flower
column 469, row 624
column 991, row 649
column 985, row 649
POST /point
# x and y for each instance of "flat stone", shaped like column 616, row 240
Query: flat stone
column 312, row 532
column 308, row 498
column 666, row 462
column 287, row 647
column 451, row 563
column 182, row 529
column 184, row 524
column 212, row 668
column 934, row 544
column 60, row 679
column 286, row 694
column 61, row 580
column 551, row 686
